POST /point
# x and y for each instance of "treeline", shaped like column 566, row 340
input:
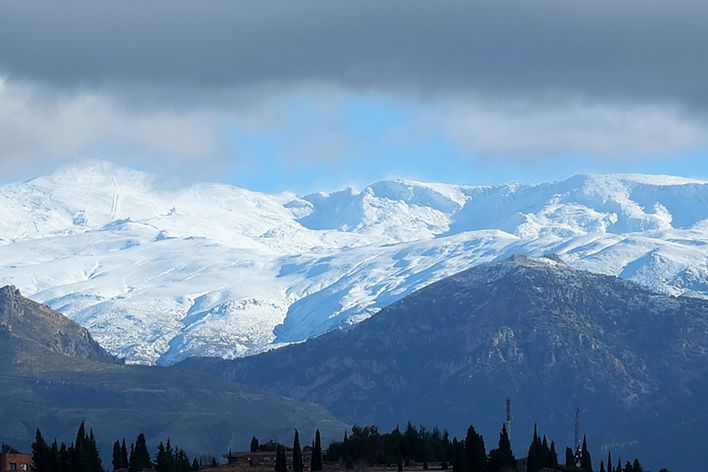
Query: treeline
column 366, row 445
column 82, row 455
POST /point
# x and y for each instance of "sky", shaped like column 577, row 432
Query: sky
column 320, row 94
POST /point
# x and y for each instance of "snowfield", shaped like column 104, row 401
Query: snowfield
column 159, row 272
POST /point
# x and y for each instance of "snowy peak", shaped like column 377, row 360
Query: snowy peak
column 161, row 271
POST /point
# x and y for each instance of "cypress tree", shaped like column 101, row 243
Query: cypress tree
column 117, row 457
column 281, row 461
column 123, row 455
column 553, row 457
column 637, row 466
column 163, row 461
column 40, row 453
column 628, row 467
column 458, row 456
column 139, row 455
column 569, row 458
column 54, row 462
column 619, row 465
column 475, row 453
column 297, row 454
column 254, row 444
column 316, row 464
column 532, row 462
column 609, row 462
column 585, row 460
column 502, row 458
column 602, row 466
column 195, row 464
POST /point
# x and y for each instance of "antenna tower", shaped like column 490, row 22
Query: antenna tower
column 507, row 422
column 577, row 429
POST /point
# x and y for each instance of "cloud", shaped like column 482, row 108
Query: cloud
column 528, row 130
column 603, row 50
column 39, row 128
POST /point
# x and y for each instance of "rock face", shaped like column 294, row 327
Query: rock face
column 54, row 376
column 551, row 337
column 37, row 323
column 159, row 272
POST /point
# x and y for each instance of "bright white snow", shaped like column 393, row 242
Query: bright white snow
column 159, row 272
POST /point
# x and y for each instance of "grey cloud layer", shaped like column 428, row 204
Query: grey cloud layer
column 602, row 50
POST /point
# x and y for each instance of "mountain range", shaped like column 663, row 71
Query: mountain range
column 54, row 376
column 159, row 271
column 550, row 337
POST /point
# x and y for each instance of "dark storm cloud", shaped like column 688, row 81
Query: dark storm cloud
column 600, row 50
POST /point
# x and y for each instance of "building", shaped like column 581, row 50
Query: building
column 266, row 457
column 11, row 459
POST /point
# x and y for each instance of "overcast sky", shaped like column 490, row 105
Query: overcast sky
column 321, row 94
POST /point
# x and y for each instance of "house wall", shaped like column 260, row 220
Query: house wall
column 19, row 459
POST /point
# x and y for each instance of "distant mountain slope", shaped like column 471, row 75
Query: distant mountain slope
column 160, row 271
column 61, row 377
column 551, row 337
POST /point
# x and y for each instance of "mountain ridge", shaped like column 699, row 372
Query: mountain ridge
column 551, row 337
column 159, row 272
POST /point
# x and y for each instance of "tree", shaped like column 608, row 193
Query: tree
column 297, row 454
column 40, row 453
column 123, row 455
column 139, row 456
column 195, row 464
column 585, row 460
column 117, row 457
column 569, row 458
column 281, row 461
column 475, row 452
column 459, row 458
column 502, row 458
column 316, row 464
column 553, row 457
column 254, row 444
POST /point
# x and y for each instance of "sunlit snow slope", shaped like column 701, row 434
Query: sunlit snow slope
column 159, row 272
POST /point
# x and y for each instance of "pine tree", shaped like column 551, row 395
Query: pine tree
column 297, row 454
column 316, row 464
column 585, row 460
column 254, row 444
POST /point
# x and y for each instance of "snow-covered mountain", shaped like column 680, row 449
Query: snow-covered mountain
column 158, row 272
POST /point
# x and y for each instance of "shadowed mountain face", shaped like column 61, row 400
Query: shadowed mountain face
column 54, row 375
column 551, row 337
column 39, row 324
